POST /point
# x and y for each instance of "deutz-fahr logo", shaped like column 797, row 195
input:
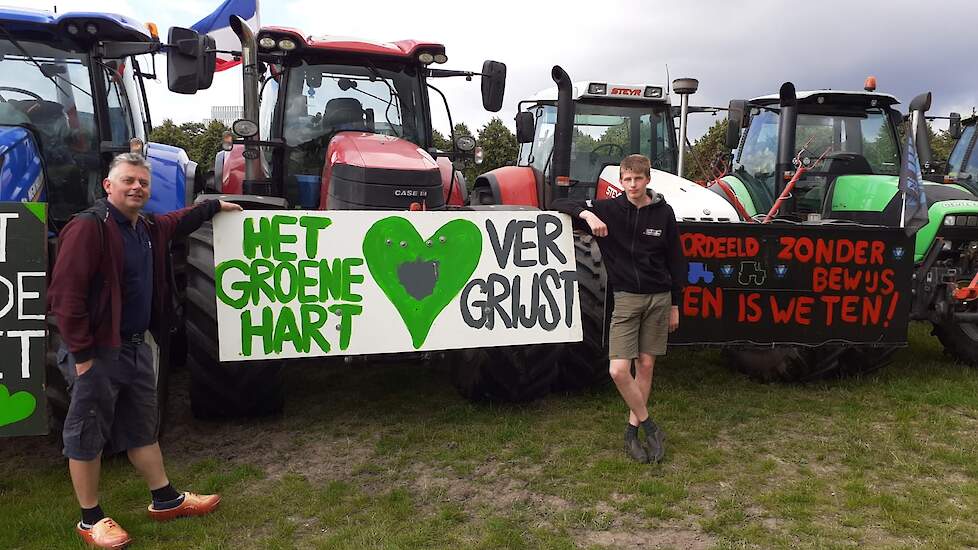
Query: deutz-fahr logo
column 410, row 193
column 626, row 91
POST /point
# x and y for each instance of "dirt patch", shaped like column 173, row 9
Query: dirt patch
column 666, row 537
column 485, row 487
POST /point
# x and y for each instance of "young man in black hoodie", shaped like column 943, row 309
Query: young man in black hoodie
column 639, row 241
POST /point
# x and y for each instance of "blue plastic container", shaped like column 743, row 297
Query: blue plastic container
column 309, row 186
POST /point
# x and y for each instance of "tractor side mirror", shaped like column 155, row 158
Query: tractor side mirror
column 736, row 113
column 524, row 127
column 954, row 126
column 493, row 85
column 190, row 60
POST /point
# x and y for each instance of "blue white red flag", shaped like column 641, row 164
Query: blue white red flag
column 912, row 186
column 217, row 25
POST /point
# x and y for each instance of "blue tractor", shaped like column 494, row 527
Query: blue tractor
column 72, row 96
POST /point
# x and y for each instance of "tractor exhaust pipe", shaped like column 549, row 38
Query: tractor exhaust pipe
column 918, row 125
column 563, row 131
column 787, row 125
column 685, row 87
column 249, row 66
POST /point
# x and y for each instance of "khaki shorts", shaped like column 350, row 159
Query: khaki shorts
column 639, row 324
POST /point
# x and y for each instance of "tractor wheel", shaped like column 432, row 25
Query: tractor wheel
column 481, row 196
column 786, row 363
column 510, row 374
column 178, row 336
column 221, row 390
column 803, row 364
column 861, row 360
column 960, row 340
column 585, row 364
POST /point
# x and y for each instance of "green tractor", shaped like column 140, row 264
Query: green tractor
column 962, row 165
column 851, row 152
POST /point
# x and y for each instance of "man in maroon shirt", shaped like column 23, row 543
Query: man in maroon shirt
column 108, row 289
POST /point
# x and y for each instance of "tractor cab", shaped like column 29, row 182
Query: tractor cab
column 962, row 165
column 346, row 124
column 611, row 121
column 71, row 87
column 854, row 133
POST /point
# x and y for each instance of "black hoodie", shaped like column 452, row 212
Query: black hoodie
column 642, row 249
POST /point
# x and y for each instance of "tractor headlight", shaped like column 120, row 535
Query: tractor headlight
column 72, row 29
column 972, row 221
column 91, row 28
column 286, row 44
column 426, row 58
column 267, row 42
column 441, row 58
column 948, row 220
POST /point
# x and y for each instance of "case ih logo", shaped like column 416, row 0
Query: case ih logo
column 626, row 91
column 410, row 193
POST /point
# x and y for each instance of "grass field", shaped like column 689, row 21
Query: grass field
column 391, row 457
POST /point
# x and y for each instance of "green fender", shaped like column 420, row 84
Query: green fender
column 936, row 213
column 874, row 193
column 740, row 190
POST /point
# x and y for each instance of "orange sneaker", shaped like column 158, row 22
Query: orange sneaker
column 106, row 533
column 192, row 505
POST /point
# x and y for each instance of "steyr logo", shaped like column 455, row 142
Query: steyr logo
column 626, row 91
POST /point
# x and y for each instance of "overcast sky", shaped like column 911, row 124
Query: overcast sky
column 736, row 49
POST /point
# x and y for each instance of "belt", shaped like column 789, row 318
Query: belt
column 134, row 338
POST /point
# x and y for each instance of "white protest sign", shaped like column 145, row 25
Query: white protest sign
column 307, row 283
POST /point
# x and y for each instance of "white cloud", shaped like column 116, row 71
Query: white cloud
column 735, row 49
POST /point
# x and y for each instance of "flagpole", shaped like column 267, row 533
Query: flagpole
column 903, row 211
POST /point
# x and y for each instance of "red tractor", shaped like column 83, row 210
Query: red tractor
column 329, row 123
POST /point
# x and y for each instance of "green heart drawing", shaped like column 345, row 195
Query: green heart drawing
column 16, row 407
column 420, row 277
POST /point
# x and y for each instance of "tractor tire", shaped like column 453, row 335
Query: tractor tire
column 229, row 389
column 584, row 364
column 178, row 336
column 797, row 364
column 960, row 341
column 785, row 363
column 481, row 196
column 509, row 374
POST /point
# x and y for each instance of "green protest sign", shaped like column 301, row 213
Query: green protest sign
column 345, row 283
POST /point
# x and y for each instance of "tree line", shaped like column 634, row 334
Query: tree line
column 706, row 157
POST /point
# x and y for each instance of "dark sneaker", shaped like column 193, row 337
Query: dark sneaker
column 656, row 443
column 635, row 451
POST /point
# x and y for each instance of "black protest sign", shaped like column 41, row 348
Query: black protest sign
column 803, row 284
column 23, row 262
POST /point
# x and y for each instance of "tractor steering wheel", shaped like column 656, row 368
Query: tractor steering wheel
column 610, row 147
column 19, row 91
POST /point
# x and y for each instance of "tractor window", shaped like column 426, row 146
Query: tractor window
column 537, row 153
column 868, row 134
column 118, row 79
column 325, row 99
column 760, row 151
column 52, row 93
column 963, row 164
column 603, row 135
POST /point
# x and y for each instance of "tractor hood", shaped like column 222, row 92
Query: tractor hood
column 689, row 201
column 21, row 171
column 373, row 171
